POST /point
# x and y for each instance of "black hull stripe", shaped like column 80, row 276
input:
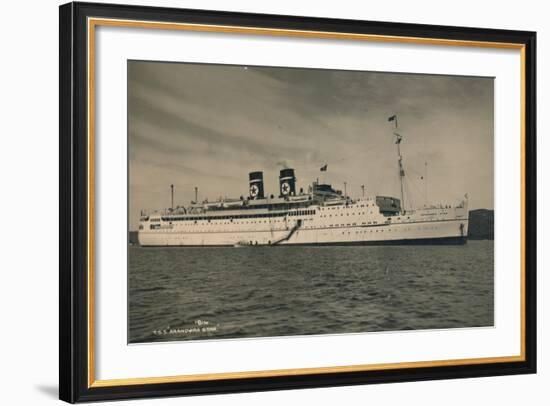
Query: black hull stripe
column 416, row 241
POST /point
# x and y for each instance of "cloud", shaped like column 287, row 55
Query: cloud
column 209, row 125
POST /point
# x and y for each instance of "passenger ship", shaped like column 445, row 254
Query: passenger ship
column 320, row 216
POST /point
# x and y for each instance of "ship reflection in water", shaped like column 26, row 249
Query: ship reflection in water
column 213, row 293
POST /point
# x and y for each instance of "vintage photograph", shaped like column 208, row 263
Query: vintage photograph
column 274, row 201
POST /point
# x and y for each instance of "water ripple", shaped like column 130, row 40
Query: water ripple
column 203, row 293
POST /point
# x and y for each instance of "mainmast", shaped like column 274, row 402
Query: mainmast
column 398, row 139
column 171, row 197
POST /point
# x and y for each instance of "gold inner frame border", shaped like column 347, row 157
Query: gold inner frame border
column 92, row 23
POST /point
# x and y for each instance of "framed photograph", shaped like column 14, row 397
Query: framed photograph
column 257, row 202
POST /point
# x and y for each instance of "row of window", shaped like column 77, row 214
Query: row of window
column 347, row 214
column 375, row 230
column 302, row 213
column 237, row 216
column 364, row 223
column 270, row 206
column 389, row 230
column 346, row 207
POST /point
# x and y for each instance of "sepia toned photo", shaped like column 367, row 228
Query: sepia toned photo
column 274, row 201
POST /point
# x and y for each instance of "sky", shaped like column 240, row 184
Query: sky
column 209, row 125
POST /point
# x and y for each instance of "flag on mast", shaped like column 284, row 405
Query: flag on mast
column 324, row 168
column 392, row 118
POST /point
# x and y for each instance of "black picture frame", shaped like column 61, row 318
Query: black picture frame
column 74, row 385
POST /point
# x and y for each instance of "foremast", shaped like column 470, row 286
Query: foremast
column 401, row 170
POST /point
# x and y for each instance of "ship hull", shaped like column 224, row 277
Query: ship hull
column 446, row 232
